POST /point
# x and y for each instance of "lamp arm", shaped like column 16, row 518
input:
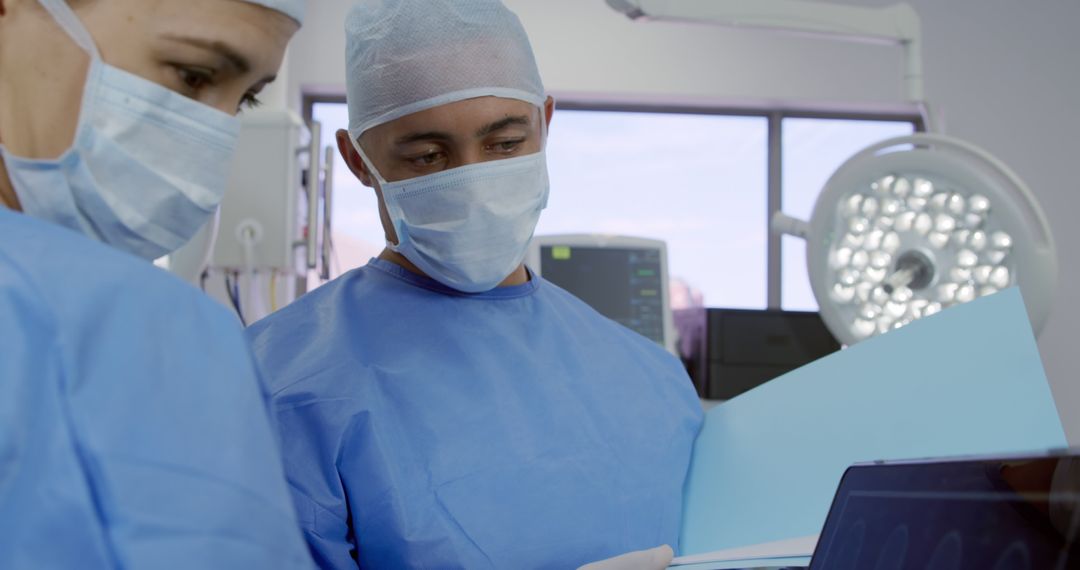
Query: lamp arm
column 898, row 24
column 783, row 224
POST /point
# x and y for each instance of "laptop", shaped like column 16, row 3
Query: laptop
column 1015, row 513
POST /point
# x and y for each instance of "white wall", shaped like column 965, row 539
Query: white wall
column 583, row 47
column 1004, row 74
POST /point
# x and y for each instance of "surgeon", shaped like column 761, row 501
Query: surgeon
column 442, row 406
column 133, row 431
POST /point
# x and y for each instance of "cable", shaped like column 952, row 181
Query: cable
column 236, row 296
column 248, row 242
column 273, row 290
column 229, row 292
column 335, row 263
column 208, row 254
column 250, row 234
column 233, row 292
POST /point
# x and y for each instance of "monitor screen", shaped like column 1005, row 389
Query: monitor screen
column 623, row 284
column 1020, row 513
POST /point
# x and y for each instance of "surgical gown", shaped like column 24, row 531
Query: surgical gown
column 133, row 431
column 518, row 428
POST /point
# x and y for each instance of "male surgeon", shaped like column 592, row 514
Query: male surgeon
column 133, row 430
column 442, row 406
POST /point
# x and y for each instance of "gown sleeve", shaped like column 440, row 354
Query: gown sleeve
column 311, row 433
column 174, row 435
column 313, row 411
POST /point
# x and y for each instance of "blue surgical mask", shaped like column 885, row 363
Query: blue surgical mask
column 147, row 168
column 468, row 227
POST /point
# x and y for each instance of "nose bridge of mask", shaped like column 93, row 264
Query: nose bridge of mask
column 65, row 17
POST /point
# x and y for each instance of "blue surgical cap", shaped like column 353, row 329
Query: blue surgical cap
column 405, row 56
column 291, row 8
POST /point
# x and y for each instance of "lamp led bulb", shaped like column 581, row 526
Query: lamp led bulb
column 979, row 204
column 923, row 223
column 923, row 188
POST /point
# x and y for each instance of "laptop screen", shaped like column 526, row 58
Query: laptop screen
column 1014, row 513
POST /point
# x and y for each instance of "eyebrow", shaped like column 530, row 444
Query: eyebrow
column 427, row 136
column 481, row 132
column 502, row 124
column 237, row 60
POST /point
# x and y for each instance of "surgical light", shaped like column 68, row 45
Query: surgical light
column 913, row 225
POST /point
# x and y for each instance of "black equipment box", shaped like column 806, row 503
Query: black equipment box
column 730, row 351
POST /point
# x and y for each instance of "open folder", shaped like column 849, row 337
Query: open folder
column 967, row 381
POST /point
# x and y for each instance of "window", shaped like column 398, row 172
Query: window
column 697, row 179
column 812, row 150
column 697, row 182
column 357, row 231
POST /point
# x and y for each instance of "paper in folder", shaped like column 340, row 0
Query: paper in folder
column 967, row 381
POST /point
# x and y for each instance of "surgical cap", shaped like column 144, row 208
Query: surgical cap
column 405, row 56
column 291, row 8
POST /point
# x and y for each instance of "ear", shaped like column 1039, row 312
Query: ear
column 549, row 110
column 351, row 157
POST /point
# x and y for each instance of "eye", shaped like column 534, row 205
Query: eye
column 250, row 101
column 506, row 147
column 428, row 159
column 194, row 78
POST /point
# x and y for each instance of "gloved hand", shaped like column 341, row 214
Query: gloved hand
column 652, row 559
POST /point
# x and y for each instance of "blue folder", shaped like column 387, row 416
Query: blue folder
column 966, row 381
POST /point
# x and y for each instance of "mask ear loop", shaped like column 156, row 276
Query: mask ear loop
column 65, row 17
column 543, row 126
column 378, row 177
column 544, row 139
column 367, row 160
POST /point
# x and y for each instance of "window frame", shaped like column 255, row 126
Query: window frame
column 774, row 115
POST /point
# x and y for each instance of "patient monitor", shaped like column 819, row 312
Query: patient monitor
column 623, row 278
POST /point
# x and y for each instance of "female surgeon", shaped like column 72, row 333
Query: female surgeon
column 133, row 431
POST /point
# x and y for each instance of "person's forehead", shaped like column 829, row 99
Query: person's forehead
column 212, row 12
column 459, row 117
column 244, row 26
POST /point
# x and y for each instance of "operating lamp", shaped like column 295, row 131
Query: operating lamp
column 913, row 225
column 909, row 226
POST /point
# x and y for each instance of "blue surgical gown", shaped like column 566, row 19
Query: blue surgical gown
column 133, row 431
column 518, row 428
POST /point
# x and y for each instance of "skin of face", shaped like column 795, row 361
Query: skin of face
column 218, row 52
column 442, row 138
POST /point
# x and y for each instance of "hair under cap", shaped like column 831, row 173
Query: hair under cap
column 405, row 56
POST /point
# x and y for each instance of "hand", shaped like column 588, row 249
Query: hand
column 652, row 559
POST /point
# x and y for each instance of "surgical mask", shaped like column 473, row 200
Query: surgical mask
column 147, row 168
column 468, row 227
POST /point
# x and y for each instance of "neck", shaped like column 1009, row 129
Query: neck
column 520, row 275
column 8, row 199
